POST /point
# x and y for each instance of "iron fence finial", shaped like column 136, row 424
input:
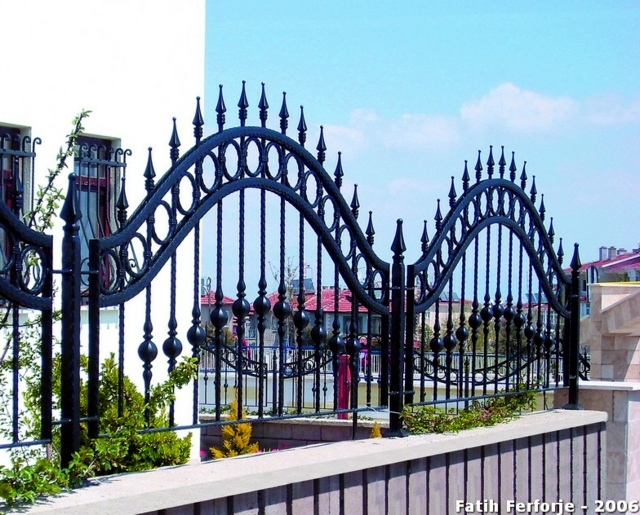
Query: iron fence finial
column 355, row 201
column 465, row 177
column 478, row 167
column 523, row 176
column 339, row 173
column 198, row 122
column 263, row 105
column 149, row 173
column 284, row 114
column 243, row 104
column 321, row 147
column 221, row 108
column 512, row 167
column 452, row 192
column 302, row 127
column 398, row 246
column 502, row 163
column 370, row 230
column 174, row 143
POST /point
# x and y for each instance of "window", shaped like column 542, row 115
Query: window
column 16, row 175
column 16, row 164
column 99, row 166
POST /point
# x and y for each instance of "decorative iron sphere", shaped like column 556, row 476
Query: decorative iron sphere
column 172, row 347
column 449, row 342
column 147, row 351
column 475, row 321
column 462, row 334
column 318, row 334
column 436, row 344
column 219, row 317
column 336, row 344
column 196, row 336
column 282, row 309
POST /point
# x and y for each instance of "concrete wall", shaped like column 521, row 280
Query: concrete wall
column 540, row 457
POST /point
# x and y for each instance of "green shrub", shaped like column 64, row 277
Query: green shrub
column 494, row 410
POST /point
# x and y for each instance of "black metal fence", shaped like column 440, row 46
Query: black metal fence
column 295, row 284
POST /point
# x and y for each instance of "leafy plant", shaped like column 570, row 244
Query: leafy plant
column 235, row 437
column 36, row 472
column 492, row 411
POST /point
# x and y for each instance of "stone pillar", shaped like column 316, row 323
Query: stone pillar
column 612, row 333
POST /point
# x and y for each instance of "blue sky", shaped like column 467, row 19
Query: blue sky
column 409, row 90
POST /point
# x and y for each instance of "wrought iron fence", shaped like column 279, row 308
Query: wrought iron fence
column 487, row 306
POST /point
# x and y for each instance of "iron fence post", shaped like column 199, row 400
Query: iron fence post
column 397, row 335
column 70, row 328
column 574, row 333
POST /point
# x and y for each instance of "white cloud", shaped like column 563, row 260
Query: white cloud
column 609, row 110
column 367, row 130
column 518, row 109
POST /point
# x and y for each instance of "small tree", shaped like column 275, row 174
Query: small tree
column 235, row 437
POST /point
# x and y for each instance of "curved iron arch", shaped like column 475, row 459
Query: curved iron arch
column 277, row 184
column 471, row 199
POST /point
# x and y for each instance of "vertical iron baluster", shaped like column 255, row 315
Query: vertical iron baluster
column 282, row 311
column 497, row 305
column 486, row 313
column 262, row 306
column 172, row 346
column 509, row 314
column 300, row 316
column 318, row 332
column 70, row 328
column 475, row 320
column 241, row 306
column 398, row 276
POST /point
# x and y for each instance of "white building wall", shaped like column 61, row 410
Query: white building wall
column 135, row 65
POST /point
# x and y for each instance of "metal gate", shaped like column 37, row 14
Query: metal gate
column 295, row 285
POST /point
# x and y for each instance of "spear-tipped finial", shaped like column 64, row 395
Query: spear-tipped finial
column 122, row 204
column 438, row 217
column 523, row 176
column 575, row 260
column 302, row 127
column 465, row 177
column 355, row 202
column 452, row 193
column 551, row 232
column 174, row 143
column 490, row 162
column 479, row 167
column 284, row 114
column 263, row 105
column 321, row 147
column 542, row 209
column 425, row 239
column 502, row 163
column 512, row 167
column 149, row 174
column 533, row 191
column 69, row 212
column 243, row 103
column 560, row 252
column 370, row 230
column 198, row 122
column 398, row 247
column 339, row 173
column 220, row 109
